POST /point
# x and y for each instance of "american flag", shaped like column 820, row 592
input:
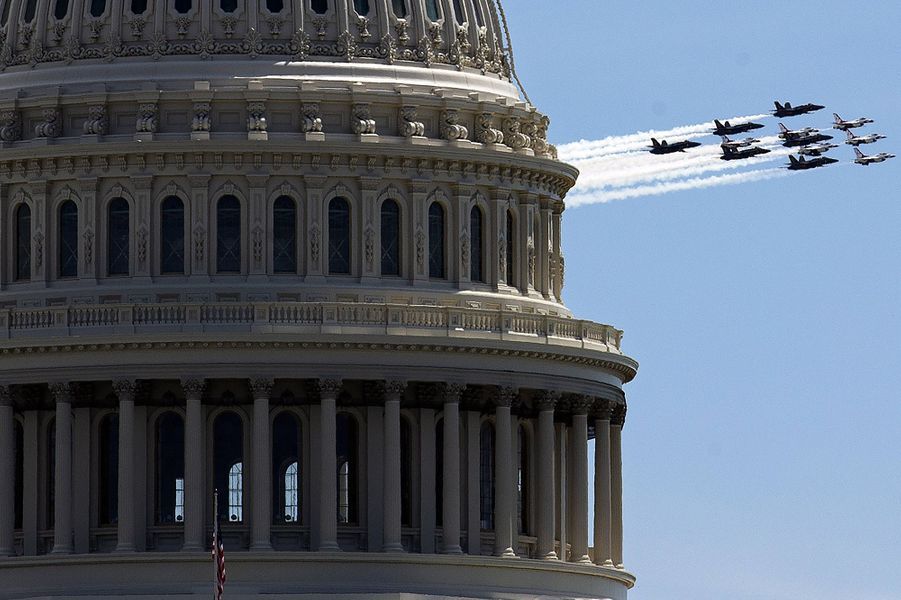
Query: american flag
column 218, row 552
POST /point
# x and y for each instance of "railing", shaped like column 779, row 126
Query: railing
column 307, row 317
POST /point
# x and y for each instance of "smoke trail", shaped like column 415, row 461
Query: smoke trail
column 584, row 199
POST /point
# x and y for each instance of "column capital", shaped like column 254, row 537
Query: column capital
column 125, row 389
column 193, row 387
column 261, row 387
column 619, row 415
column 331, row 387
column 603, row 409
column 453, row 392
column 393, row 389
column 547, row 400
column 62, row 392
column 581, row 405
column 506, row 396
column 6, row 395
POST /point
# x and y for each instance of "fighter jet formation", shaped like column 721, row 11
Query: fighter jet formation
column 811, row 144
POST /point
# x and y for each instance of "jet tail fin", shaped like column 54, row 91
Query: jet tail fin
column 778, row 106
column 849, row 134
column 838, row 119
column 726, row 139
column 655, row 142
column 792, row 158
column 718, row 124
column 858, row 153
column 783, row 128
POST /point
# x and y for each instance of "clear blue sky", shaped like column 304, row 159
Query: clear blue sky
column 763, row 444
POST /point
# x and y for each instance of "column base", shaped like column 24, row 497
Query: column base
column 550, row 556
column 329, row 547
column 585, row 560
column 608, row 563
column 125, row 549
column 192, row 548
column 261, row 547
column 506, row 553
column 452, row 550
column 61, row 550
column 393, row 548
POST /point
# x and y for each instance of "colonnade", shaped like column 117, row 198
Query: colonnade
column 562, row 436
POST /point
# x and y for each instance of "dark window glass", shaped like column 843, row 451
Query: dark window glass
column 390, row 238
column 284, row 235
column 30, row 8
column 436, row 241
column 477, row 7
column 172, row 233
column 275, row 6
column 228, row 6
column 400, row 8
column 459, row 13
column 522, row 483
column 117, row 237
column 61, row 9
column 339, row 237
column 439, row 473
column 432, row 10
column 138, row 7
column 20, row 472
column 183, row 6
column 286, row 475
column 23, row 242
column 347, row 451
column 228, row 465
column 320, row 7
column 406, row 473
column 108, row 477
column 476, row 245
column 170, row 469
column 228, row 235
column 511, row 251
column 486, row 476
column 362, row 7
column 98, row 7
column 4, row 17
column 50, row 476
column 68, row 239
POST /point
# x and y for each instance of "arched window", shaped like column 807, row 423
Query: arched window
column 459, row 13
column 228, row 235
column 339, row 237
column 170, row 469
column 437, row 269
column 30, row 8
column 284, row 235
column 68, row 239
column 23, row 242
column 477, row 7
column 362, row 7
column 50, row 476
column 522, row 483
column 138, row 7
column 183, row 6
column 486, row 476
column 117, row 237
column 286, row 497
column 476, row 245
column 275, row 6
column 20, row 472
column 320, row 7
column 432, row 10
column 61, row 9
column 172, row 236
column 98, row 7
column 228, row 465
column 406, row 473
column 439, row 473
column 390, row 234
column 347, row 444
column 400, row 8
column 511, row 251
column 228, row 6
column 108, row 476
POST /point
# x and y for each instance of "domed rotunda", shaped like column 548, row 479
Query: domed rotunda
column 307, row 254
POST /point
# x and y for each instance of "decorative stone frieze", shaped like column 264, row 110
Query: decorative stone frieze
column 451, row 128
column 96, row 123
column 485, row 132
column 261, row 387
column 363, row 123
column 409, row 126
column 256, row 117
column 148, row 118
column 50, row 126
column 201, row 120
column 10, row 126
column 330, row 387
column 193, row 388
column 513, row 134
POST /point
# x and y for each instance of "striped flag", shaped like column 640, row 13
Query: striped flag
column 218, row 552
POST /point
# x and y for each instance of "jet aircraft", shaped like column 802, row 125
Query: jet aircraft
column 801, row 164
column 816, row 150
column 729, row 129
column 843, row 125
column 857, row 140
column 738, row 143
column 666, row 148
column 789, row 134
column 739, row 154
column 787, row 110
column 863, row 159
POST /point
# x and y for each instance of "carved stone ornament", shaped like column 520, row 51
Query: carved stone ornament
column 409, row 126
column 539, row 139
column 394, row 389
column 312, row 122
column 506, row 396
column 141, row 243
column 96, row 123
column 363, row 122
column 257, row 236
column 369, row 246
column 125, row 388
column 603, row 409
column 450, row 128
column 88, row 238
column 314, row 243
column 199, row 245
column 201, row 120
column 330, row 387
column 547, row 400
column 38, row 241
column 400, row 28
column 515, row 138
column 148, row 118
column 502, row 256
column 363, row 27
column 453, row 392
column 61, row 392
column 619, row 415
column 531, row 262
column 49, row 127
column 256, row 116
column 464, row 251
column 581, row 405
column 193, row 388
column 10, row 126
column 261, row 387
column 6, row 396
column 420, row 250
column 485, row 131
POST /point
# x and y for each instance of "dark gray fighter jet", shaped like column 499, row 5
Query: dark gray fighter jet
column 729, row 129
column 787, row 110
column 801, row 164
column 666, row 148
column 730, row 153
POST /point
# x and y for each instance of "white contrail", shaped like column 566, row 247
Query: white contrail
column 583, row 199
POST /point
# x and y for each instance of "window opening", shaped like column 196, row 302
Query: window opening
column 228, row 235
column 117, row 237
column 4, row 17
column 284, row 235
column 138, row 7
column 437, row 269
column 20, row 472
column 390, row 234
column 522, row 483
column 475, row 242
column 320, row 7
column 406, row 473
column 486, row 476
column 23, row 242
column 362, row 7
column 459, row 13
column 228, row 6
column 477, row 8
column 68, row 239
column 339, row 237
column 286, row 474
column 183, row 6
column 347, row 453
column 172, row 248
column 511, row 251
column 400, row 8
column 236, row 493
column 30, row 8
column 108, row 453
column 98, row 7
column 432, row 10
column 275, row 6
column 170, row 469
column 228, row 465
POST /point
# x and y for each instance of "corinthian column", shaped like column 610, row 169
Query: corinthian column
column 328, row 491
column 580, row 407
column 62, row 519
column 616, row 470
column 450, row 502
column 503, row 476
column 262, row 474
column 125, row 391
column 391, row 484
column 194, row 480
column 546, row 403
column 7, row 472
column 603, row 548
